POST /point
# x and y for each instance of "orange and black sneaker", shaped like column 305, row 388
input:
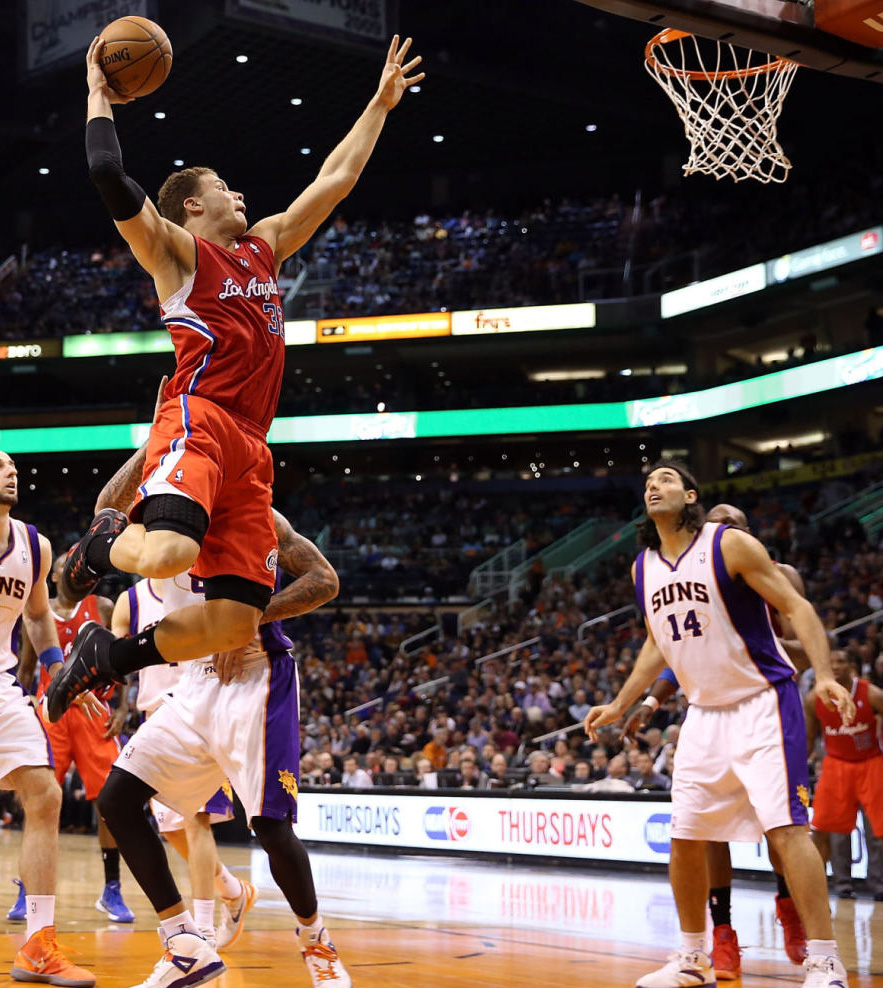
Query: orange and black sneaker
column 726, row 953
column 792, row 927
column 321, row 958
column 80, row 575
column 87, row 666
column 41, row 960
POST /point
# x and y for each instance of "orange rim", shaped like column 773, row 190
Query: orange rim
column 776, row 64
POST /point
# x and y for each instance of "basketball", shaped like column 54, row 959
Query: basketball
column 137, row 56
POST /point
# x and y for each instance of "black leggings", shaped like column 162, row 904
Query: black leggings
column 289, row 864
column 121, row 805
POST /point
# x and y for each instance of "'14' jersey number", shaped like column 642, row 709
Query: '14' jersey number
column 690, row 626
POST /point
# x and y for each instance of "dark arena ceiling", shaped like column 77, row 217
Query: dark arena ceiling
column 511, row 86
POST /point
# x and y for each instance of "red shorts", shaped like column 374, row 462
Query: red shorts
column 198, row 449
column 843, row 787
column 76, row 738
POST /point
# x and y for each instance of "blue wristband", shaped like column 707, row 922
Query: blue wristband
column 49, row 656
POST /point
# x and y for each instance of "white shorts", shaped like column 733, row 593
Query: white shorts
column 741, row 770
column 247, row 732
column 23, row 740
column 219, row 809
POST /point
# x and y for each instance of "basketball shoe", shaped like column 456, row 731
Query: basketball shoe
column 112, row 903
column 87, row 666
column 80, row 574
column 233, row 915
column 41, row 959
column 321, row 958
column 187, row 960
column 18, row 913
column 685, row 969
column 725, row 955
column 795, row 935
column 824, row 972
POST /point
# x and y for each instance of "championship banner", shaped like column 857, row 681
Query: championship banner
column 56, row 30
column 358, row 20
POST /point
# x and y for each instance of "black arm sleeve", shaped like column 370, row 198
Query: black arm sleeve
column 123, row 196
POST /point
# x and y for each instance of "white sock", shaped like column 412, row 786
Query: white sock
column 204, row 913
column 227, row 885
column 818, row 948
column 40, row 911
column 309, row 933
column 182, row 923
column 693, row 941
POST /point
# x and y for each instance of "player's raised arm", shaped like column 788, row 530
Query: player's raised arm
column 315, row 581
column 160, row 247
column 288, row 231
column 744, row 556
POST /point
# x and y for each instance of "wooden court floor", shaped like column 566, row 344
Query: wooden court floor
column 410, row 922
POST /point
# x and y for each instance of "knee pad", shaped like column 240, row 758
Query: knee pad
column 243, row 591
column 175, row 513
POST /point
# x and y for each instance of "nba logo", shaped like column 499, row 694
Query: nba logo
column 179, row 476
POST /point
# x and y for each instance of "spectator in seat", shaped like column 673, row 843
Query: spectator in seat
column 437, row 749
column 354, row 776
column 496, row 777
column 645, row 778
column 471, row 775
column 426, row 776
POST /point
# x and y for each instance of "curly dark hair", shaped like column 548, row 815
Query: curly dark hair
column 178, row 187
column 693, row 515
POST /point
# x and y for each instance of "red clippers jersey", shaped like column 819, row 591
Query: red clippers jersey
column 228, row 328
column 86, row 610
column 858, row 741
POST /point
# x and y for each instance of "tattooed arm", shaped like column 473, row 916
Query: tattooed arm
column 315, row 581
column 119, row 492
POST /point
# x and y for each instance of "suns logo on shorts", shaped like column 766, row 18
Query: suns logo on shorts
column 288, row 782
column 272, row 560
column 227, row 790
column 803, row 795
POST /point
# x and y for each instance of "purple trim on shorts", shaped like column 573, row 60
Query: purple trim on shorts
column 220, row 804
column 50, row 758
column 273, row 639
column 794, row 747
column 750, row 618
column 134, row 608
column 281, row 738
column 639, row 581
column 34, row 540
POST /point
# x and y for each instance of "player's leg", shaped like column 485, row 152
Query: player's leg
column 786, row 913
column 40, row 958
column 202, row 860
column 111, row 900
column 725, row 951
column 121, row 803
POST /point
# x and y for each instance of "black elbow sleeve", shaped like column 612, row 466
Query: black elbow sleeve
column 123, row 196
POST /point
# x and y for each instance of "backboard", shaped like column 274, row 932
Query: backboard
column 780, row 27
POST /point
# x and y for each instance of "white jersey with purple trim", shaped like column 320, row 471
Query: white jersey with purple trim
column 146, row 609
column 714, row 632
column 19, row 568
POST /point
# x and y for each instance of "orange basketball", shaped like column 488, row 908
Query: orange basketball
column 137, row 56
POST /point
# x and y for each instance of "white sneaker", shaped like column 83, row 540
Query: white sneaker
column 824, row 972
column 188, row 960
column 233, row 915
column 322, row 959
column 685, row 969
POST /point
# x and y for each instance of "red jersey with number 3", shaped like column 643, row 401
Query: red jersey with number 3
column 858, row 741
column 67, row 628
column 228, row 328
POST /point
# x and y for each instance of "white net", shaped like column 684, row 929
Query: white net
column 729, row 100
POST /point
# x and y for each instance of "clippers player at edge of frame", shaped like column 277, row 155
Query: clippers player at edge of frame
column 741, row 771
column 178, row 755
column 203, row 504
column 726, row 952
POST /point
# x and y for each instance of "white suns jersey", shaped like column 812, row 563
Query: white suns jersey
column 714, row 632
column 147, row 608
column 19, row 568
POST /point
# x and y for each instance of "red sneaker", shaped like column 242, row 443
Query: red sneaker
column 725, row 954
column 792, row 927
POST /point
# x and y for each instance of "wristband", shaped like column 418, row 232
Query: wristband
column 651, row 702
column 49, row 656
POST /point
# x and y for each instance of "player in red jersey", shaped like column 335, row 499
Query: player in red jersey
column 81, row 738
column 204, row 501
column 852, row 769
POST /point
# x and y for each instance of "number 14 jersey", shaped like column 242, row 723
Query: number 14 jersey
column 714, row 632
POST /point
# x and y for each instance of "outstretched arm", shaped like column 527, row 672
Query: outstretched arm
column 315, row 582
column 162, row 248
column 288, row 231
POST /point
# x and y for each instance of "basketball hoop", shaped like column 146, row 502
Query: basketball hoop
column 729, row 100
